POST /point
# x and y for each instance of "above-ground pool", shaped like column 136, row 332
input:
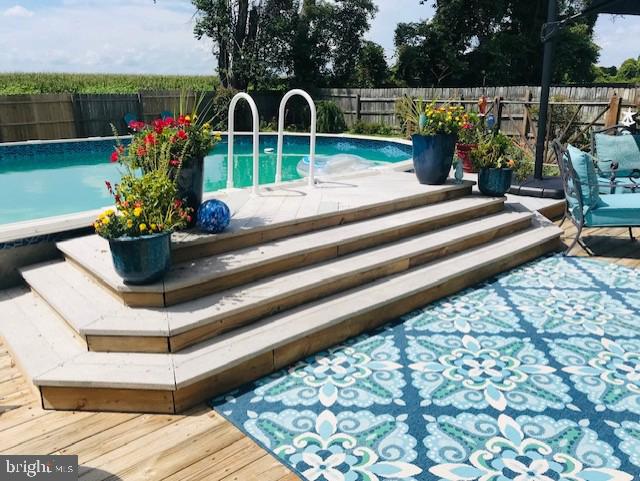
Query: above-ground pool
column 45, row 179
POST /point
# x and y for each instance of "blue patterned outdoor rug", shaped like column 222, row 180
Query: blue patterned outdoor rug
column 532, row 377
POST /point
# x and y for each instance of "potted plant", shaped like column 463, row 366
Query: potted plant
column 433, row 131
column 468, row 141
column 139, row 228
column 186, row 140
column 496, row 160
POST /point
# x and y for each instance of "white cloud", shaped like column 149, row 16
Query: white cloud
column 17, row 11
column 133, row 36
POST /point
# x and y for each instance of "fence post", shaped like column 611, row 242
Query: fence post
column 498, row 105
column 358, row 107
column 526, row 125
column 613, row 114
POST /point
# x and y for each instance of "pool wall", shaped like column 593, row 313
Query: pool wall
column 31, row 242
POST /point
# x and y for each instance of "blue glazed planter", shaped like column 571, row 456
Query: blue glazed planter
column 494, row 182
column 141, row 260
column 432, row 157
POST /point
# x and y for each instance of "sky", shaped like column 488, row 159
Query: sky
column 136, row 36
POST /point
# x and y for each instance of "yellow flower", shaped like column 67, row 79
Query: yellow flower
column 106, row 221
column 206, row 126
column 129, row 223
column 137, row 211
column 143, row 227
column 187, row 118
column 109, row 212
column 154, row 226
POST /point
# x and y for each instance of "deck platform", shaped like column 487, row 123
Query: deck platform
column 298, row 270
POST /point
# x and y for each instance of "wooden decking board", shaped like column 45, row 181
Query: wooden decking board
column 200, row 277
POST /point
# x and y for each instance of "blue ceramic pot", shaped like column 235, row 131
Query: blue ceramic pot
column 494, row 182
column 141, row 260
column 432, row 157
column 190, row 185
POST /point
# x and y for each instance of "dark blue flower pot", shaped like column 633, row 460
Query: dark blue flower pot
column 432, row 157
column 494, row 182
column 190, row 185
column 141, row 260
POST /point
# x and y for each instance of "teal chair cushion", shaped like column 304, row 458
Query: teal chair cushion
column 618, row 189
column 586, row 172
column 624, row 149
column 615, row 210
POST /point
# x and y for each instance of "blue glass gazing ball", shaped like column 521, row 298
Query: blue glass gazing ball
column 213, row 216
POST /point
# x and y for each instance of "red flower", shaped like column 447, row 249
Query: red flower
column 174, row 162
column 182, row 135
column 177, row 203
column 150, row 139
column 118, row 198
column 121, row 148
column 158, row 125
column 136, row 125
column 168, row 122
column 114, row 156
column 188, row 218
column 141, row 151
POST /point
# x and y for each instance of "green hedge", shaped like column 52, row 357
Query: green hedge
column 42, row 83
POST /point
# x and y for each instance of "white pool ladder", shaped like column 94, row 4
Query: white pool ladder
column 256, row 140
column 312, row 139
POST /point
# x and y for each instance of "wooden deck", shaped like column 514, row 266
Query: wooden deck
column 199, row 445
column 611, row 245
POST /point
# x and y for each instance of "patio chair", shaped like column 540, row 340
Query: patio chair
column 586, row 206
column 616, row 151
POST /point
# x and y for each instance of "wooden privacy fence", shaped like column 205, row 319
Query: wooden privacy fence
column 63, row 116
column 513, row 106
column 60, row 116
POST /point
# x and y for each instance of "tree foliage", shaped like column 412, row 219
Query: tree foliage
column 259, row 43
column 629, row 72
column 471, row 42
column 371, row 69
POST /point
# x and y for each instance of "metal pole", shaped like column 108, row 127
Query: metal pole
column 547, row 74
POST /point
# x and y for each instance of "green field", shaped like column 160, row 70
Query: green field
column 44, row 83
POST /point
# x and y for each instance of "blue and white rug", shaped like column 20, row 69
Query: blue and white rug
column 532, row 377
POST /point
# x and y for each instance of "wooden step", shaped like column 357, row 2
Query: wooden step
column 287, row 210
column 108, row 325
column 175, row 381
column 206, row 275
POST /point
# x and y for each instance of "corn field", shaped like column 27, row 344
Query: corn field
column 44, row 83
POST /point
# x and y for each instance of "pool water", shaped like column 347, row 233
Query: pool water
column 53, row 178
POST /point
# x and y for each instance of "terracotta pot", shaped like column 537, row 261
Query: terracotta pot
column 463, row 152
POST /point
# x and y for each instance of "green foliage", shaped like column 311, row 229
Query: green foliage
column 371, row 70
column 364, row 128
column 258, row 43
column 629, row 72
column 147, row 205
column 40, row 83
column 330, row 118
column 488, row 42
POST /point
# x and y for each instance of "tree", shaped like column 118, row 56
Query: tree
column 629, row 70
column 249, row 37
column 259, row 42
column 371, row 69
column 473, row 42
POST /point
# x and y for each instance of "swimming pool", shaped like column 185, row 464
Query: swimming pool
column 45, row 179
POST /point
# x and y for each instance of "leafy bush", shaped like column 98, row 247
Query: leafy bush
column 330, row 118
column 42, row 83
column 365, row 128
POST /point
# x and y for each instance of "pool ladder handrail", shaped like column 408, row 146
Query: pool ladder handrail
column 312, row 139
column 256, row 139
